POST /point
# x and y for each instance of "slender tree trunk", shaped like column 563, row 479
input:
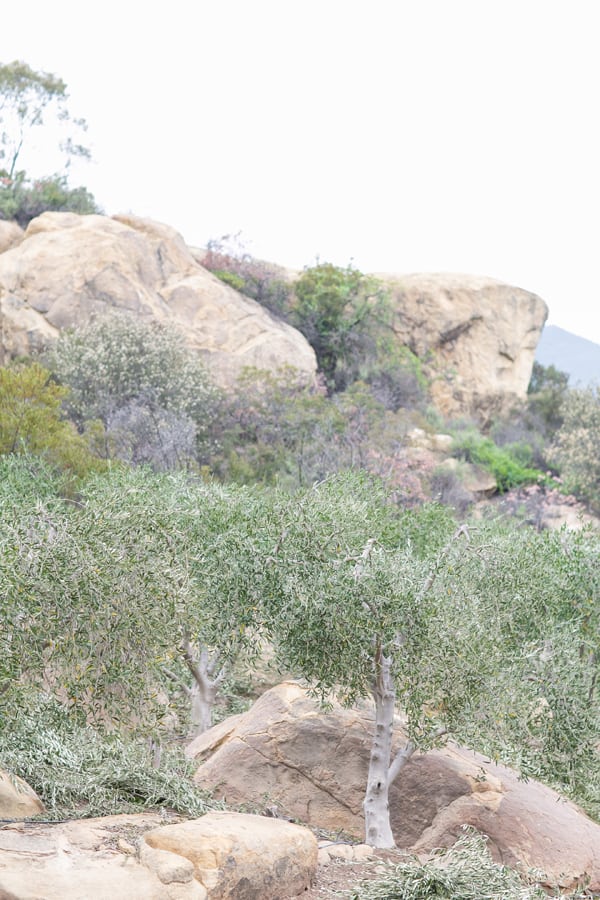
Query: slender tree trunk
column 378, row 830
column 382, row 772
column 205, row 685
column 202, row 701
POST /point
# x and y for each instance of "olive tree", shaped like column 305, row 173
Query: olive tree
column 107, row 598
column 428, row 618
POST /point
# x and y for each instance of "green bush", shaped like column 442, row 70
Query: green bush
column 547, row 391
column 24, row 200
column 153, row 396
column 32, row 421
column 507, row 464
column 340, row 312
column 466, row 871
column 575, row 447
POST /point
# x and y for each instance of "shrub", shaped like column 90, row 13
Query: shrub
column 153, row 396
column 502, row 463
column 339, row 311
column 396, row 378
column 463, row 872
column 24, row 200
column 447, row 488
column 547, row 391
column 31, row 420
column 264, row 282
column 575, row 447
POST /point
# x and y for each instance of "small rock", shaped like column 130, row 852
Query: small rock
column 323, row 857
column 363, row 852
column 17, row 799
column 169, row 867
column 125, row 847
column 341, row 851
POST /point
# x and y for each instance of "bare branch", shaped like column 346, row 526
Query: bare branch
column 178, row 680
column 191, row 661
column 400, row 760
column 463, row 531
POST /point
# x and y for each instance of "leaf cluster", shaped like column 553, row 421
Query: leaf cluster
column 81, row 772
column 502, row 462
column 466, row 871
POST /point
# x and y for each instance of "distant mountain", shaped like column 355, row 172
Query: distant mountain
column 576, row 356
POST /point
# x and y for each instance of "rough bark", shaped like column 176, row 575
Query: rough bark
column 202, row 701
column 378, row 830
column 205, row 684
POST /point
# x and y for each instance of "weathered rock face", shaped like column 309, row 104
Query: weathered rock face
column 239, row 856
column 79, row 860
column 17, row 799
column 10, row 235
column 69, row 268
column 480, row 333
column 313, row 766
column 220, row 855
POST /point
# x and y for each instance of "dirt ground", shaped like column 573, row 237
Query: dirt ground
column 340, row 877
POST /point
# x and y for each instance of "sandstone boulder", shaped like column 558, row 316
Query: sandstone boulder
column 312, row 765
column 238, row 856
column 69, row 268
column 10, row 235
column 479, row 334
column 82, row 859
column 17, row 799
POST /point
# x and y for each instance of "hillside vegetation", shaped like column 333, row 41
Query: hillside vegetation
column 158, row 533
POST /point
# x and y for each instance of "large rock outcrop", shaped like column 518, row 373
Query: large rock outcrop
column 313, row 766
column 69, row 268
column 130, row 857
column 236, row 855
column 479, row 335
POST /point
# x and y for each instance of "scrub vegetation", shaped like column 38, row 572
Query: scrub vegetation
column 157, row 532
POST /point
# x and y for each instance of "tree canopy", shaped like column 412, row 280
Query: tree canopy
column 27, row 97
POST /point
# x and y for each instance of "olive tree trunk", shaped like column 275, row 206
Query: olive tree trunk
column 382, row 772
column 205, row 685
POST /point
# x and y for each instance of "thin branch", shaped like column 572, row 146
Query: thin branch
column 461, row 530
column 178, row 680
column 191, row 661
column 400, row 760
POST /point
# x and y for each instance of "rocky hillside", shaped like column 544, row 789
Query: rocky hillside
column 69, row 268
column 477, row 336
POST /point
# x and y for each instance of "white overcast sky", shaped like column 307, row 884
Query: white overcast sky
column 406, row 135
